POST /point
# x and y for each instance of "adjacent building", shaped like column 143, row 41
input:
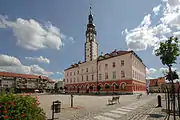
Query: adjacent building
column 155, row 85
column 25, row 82
column 118, row 71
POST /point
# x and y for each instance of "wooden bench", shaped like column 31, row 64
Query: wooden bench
column 114, row 99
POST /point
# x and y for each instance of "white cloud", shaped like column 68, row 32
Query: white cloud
column 59, row 73
column 146, row 21
column 32, row 35
column 173, row 2
column 156, row 9
column 148, row 77
column 147, row 34
column 40, row 59
column 71, row 39
column 165, row 70
column 152, row 71
column 13, row 64
column 6, row 60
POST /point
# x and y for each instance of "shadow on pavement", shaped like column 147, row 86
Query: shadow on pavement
column 156, row 115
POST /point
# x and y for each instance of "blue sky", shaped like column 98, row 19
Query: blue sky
column 47, row 36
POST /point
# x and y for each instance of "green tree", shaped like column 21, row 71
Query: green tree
column 117, row 86
column 99, row 88
column 107, row 86
column 168, row 53
column 91, row 87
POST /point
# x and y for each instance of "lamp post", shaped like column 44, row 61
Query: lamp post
column 97, row 74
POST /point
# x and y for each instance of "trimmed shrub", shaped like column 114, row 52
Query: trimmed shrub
column 20, row 107
column 117, row 86
column 107, row 86
column 99, row 87
column 91, row 87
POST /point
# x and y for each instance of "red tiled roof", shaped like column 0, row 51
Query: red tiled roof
column 51, row 81
column 8, row 74
column 111, row 54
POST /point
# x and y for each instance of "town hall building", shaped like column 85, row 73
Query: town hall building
column 121, row 72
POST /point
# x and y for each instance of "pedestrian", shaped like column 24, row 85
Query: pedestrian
column 147, row 91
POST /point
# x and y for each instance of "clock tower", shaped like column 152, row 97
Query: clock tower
column 91, row 44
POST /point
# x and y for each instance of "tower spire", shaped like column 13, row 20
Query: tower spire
column 91, row 45
column 90, row 15
column 90, row 9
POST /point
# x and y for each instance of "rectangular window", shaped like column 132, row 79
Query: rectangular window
column 87, row 78
column 106, row 75
column 99, row 67
column 70, row 73
column 82, row 78
column 77, row 79
column 122, row 74
column 92, row 77
column 82, row 70
column 114, row 65
column 122, row 62
column 106, row 66
column 67, row 81
column 74, row 80
column 114, row 75
column 86, row 69
column 100, row 77
column 70, row 80
column 74, row 73
column 78, row 72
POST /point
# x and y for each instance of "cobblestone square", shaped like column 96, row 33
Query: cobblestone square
column 83, row 105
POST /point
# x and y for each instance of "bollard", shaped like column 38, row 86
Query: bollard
column 71, row 100
column 159, row 101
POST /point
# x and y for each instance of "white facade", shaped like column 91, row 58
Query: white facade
column 138, row 71
column 7, row 82
column 121, row 67
column 31, row 83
